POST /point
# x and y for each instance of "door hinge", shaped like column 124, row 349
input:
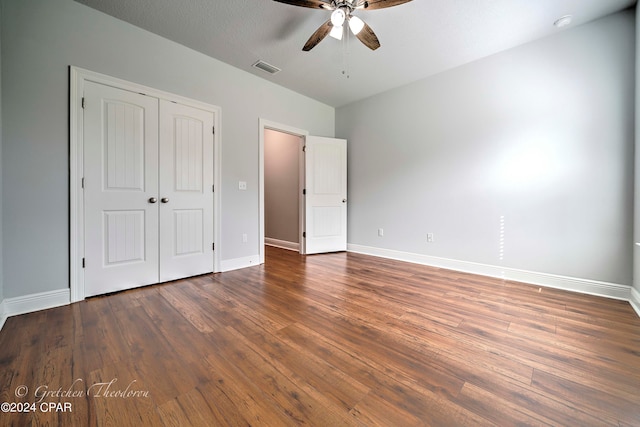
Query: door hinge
column 213, row 188
column 304, row 148
column 304, row 191
column 83, row 104
column 214, row 130
column 82, row 182
column 304, row 234
column 213, row 246
column 82, row 262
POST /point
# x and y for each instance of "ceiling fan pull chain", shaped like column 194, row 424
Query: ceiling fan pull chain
column 345, row 54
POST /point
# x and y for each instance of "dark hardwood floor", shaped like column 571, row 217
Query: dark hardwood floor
column 326, row 340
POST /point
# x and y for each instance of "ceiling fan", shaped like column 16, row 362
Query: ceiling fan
column 343, row 11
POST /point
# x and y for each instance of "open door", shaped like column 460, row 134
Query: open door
column 326, row 195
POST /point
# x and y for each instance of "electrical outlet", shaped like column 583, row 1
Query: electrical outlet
column 244, row 238
column 242, row 185
column 380, row 232
column 429, row 237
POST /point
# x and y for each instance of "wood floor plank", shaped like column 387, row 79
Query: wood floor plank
column 505, row 402
column 500, row 411
column 154, row 359
column 122, row 397
column 402, row 405
column 591, row 400
column 236, row 381
column 305, row 404
column 100, row 339
column 204, row 405
column 305, row 369
column 325, row 340
column 376, row 411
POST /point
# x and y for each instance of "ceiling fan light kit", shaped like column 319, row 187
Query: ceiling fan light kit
column 336, row 32
column 342, row 10
column 356, row 24
column 337, row 17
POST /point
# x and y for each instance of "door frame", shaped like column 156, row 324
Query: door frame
column 77, row 79
column 265, row 124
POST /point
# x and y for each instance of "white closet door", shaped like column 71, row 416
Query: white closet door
column 186, row 191
column 326, row 195
column 120, row 186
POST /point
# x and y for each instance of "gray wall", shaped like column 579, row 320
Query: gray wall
column 1, row 282
column 41, row 38
column 636, row 250
column 541, row 134
column 281, row 186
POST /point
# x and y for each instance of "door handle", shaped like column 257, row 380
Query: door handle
column 153, row 200
column 344, row 200
column 165, row 200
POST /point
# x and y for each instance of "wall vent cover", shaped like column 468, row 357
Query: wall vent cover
column 264, row 66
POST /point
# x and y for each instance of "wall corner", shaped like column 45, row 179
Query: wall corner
column 635, row 290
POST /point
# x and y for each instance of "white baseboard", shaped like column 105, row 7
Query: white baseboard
column 635, row 300
column 34, row 302
column 238, row 263
column 3, row 314
column 585, row 286
column 283, row 244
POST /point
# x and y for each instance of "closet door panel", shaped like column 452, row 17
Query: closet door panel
column 186, row 191
column 120, row 184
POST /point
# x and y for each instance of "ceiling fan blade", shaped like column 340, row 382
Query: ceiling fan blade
column 378, row 4
column 318, row 36
column 368, row 37
column 313, row 4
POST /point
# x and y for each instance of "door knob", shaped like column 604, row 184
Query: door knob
column 153, row 200
column 344, row 200
column 165, row 200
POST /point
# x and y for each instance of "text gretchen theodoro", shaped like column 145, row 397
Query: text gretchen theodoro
column 97, row 390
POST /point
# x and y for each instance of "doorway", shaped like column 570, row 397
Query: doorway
column 282, row 188
column 322, row 191
column 283, row 138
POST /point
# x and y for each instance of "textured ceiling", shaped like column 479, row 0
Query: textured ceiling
column 418, row 39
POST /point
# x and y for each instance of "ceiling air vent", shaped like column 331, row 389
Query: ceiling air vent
column 271, row 69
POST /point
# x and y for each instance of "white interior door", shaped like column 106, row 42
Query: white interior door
column 326, row 195
column 186, row 191
column 120, row 186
